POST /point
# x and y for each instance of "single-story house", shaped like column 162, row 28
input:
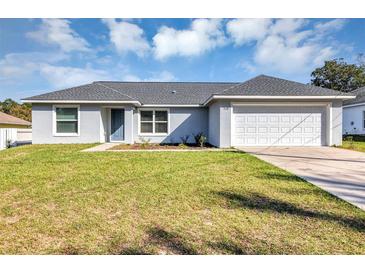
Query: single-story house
column 354, row 114
column 262, row 111
column 9, row 126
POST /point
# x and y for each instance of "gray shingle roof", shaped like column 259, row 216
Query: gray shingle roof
column 183, row 93
column 263, row 85
column 360, row 97
column 92, row 92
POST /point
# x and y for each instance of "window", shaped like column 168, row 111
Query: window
column 66, row 120
column 154, row 122
column 363, row 119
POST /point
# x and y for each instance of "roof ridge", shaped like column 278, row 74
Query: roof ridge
column 115, row 90
column 173, row 82
column 296, row 82
column 239, row 84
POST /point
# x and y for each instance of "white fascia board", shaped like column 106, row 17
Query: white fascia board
column 169, row 106
column 80, row 102
column 277, row 97
column 354, row 105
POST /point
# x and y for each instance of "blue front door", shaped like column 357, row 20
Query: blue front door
column 117, row 125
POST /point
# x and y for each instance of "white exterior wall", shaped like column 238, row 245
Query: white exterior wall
column 353, row 119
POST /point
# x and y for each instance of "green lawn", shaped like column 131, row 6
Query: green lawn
column 354, row 145
column 57, row 200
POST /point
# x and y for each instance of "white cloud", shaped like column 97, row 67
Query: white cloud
column 64, row 76
column 332, row 25
column 18, row 65
column 274, row 52
column 131, row 78
column 287, row 26
column 59, row 32
column 243, row 31
column 203, row 36
column 127, row 37
column 284, row 45
column 164, row 76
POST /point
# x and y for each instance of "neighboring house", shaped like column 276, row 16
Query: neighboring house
column 262, row 111
column 354, row 114
column 8, row 129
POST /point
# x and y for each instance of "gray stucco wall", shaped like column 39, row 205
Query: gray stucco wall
column 220, row 124
column 42, row 123
column 183, row 121
column 214, row 124
column 336, row 122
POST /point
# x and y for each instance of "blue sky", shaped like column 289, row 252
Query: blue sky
column 42, row 55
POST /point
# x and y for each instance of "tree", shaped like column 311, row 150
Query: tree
column 338, row 75
column 23, row 111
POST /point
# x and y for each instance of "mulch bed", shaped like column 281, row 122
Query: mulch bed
column 158, row 147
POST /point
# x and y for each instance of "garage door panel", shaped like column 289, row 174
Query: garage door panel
column 281, row 126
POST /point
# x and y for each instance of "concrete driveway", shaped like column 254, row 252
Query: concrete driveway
column 338, row 171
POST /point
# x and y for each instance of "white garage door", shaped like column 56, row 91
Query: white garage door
column 278, row 126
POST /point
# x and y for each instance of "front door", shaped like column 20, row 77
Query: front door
column 117, row 125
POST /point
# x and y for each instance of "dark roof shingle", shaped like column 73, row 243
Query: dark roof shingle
column 183, row 93
column 360, row 97
column 263, row 85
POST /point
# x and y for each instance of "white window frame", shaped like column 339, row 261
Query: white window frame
column 54, row 122
column 153, row 121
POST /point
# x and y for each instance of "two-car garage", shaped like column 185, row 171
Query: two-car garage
column 278, row 125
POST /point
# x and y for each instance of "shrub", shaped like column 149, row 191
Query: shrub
column 182, row 145
column 184, row 139
column 200, row 139
column 145, row 142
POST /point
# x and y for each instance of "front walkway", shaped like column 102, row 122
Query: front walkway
column 102, row 147
column 338, row 171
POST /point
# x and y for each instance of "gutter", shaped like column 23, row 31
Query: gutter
column 248, row 97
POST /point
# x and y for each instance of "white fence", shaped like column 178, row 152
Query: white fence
column 7, row 136
column 24, row 136
column 15, row 137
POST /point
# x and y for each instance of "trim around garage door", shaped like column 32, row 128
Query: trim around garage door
column 326, row 119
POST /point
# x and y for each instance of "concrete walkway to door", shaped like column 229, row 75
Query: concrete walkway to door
column 338, row 171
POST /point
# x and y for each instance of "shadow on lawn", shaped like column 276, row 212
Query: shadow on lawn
column 228, row 248
column 263, row 203
column 166, row 242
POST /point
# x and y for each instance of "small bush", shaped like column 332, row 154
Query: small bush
column 145, row 142
column 184, row 139
column 182, row 145
column 200, row 139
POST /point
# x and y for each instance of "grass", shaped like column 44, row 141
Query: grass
column 358, row 145
column 55, row 199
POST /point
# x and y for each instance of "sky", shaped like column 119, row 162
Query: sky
column 44, row 55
